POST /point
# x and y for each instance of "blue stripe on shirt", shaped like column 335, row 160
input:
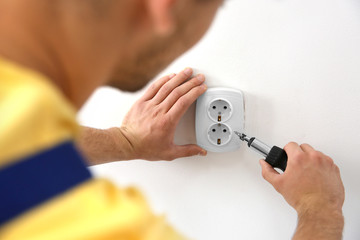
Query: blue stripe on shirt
column 33, row 180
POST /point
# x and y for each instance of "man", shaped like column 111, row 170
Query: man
column 53, row 55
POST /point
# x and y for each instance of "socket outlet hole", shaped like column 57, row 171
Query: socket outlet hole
column 220, row 110
column 219, row 134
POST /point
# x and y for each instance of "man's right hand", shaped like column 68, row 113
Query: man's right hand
column 312, row 185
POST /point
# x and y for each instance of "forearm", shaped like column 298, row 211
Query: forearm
column 320, row 225
column 104, row 146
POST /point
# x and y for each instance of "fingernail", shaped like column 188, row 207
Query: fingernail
column 172, row 75
column 203, row 153
column 200, row 77
column 204, row 86
column 188, row 71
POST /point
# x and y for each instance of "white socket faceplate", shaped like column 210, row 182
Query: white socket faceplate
column 204, row 120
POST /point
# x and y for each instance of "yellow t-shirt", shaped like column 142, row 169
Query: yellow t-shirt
column 46, row 190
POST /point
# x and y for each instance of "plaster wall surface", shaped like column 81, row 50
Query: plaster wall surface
column 298, row 64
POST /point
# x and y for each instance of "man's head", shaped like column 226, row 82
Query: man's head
column 83, row 44
column 170, row 27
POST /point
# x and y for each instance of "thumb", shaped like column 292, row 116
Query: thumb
column 189, row 150
column 268, row 173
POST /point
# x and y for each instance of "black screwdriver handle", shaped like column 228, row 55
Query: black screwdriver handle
column 277, row 158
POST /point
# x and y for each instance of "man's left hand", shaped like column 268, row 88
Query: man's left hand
column 148, row 129
column 151, row 122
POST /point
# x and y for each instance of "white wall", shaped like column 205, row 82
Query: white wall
column 298, row 63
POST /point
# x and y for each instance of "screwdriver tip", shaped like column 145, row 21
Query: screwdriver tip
column 240, row 135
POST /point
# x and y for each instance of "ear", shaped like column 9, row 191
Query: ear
column 160, row 12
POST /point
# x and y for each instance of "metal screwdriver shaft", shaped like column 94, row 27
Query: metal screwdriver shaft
column 275, row 156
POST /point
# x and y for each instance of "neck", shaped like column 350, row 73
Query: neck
column 63, row 43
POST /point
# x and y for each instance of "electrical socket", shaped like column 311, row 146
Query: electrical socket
column 219, row 112
column 219, row 134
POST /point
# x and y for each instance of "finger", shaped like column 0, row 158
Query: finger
column 337, row 169
column 182, row 90
column 269, row 173
column 154, row 88
column 184, row 102
column 169, row 86
column 306, row 147
column 180, row 151
column 292, row 148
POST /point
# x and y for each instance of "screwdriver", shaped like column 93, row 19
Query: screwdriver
column 274, row 156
